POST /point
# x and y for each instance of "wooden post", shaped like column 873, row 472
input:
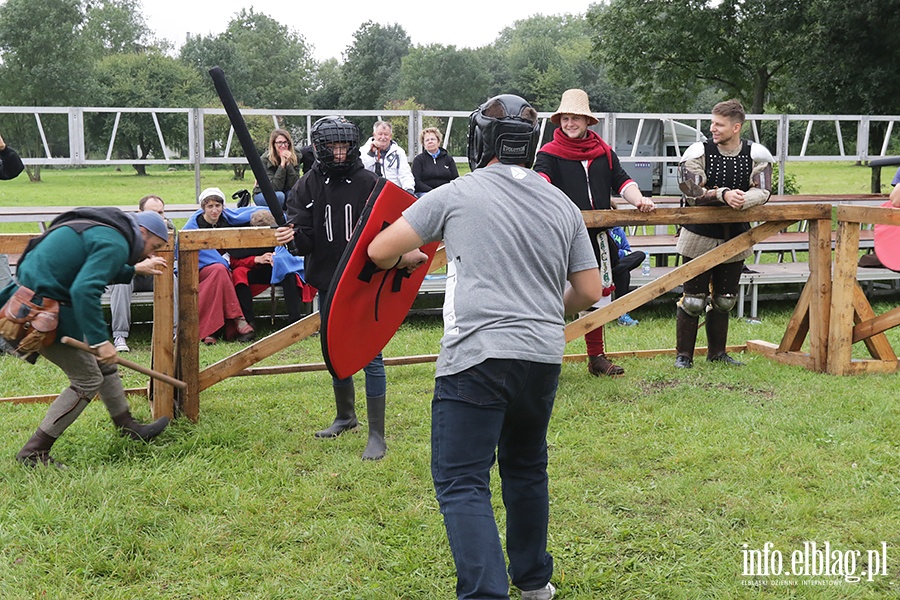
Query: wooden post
column 820, row 291
column 189, row 332
column 840, row 329
column 163, row 344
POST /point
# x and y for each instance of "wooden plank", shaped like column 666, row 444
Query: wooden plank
column 798, row 325
column 14, row 243
column 878, row 345
column 869, row 214
column 162, row 342
column 258, row 351
column 48, row 398
column 440, row 259
column 703, row 214
column 769, row 350
column 679, row 275
column 877, row 324
column 430, row 358
column 762, row 347
column 872, row 367
column 228, row 237
column 189, row 332
column 820, row 285
column 840, row 329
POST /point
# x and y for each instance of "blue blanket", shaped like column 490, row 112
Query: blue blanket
column 283, row 262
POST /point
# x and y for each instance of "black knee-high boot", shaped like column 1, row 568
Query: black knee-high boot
column 717, row 338
column 292, row 298
column 376, row 446
column 245, row 299
column 345, row 401
column 685, row 338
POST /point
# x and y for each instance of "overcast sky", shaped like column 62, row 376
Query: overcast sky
column 329, row 25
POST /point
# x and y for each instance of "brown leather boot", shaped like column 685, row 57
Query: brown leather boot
column 600, row 365
column 129, row 427
column 36, row 451
column 685, row 338
column 717, row 337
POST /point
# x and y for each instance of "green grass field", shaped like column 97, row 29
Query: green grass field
column 662, row 482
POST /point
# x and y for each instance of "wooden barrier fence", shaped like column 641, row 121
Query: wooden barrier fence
column 832, row 310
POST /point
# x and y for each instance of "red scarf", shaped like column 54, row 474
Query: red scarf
column 589, row 147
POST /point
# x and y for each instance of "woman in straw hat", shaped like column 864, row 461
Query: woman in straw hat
column 586, row 169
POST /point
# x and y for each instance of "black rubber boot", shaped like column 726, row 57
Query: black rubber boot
column 345, row 401
column 685, row 338
column 717, row 337
column 129, row 427
column 36, row 451
column 376, row 446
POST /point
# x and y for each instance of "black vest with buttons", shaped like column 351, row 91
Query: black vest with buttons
column 731, row 172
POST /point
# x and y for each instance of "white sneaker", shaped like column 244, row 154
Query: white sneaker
column 545, row 593
column 120, row 344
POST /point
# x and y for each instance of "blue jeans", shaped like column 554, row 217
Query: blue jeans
column 376, row 379
column 504, row 406
column 260, row 200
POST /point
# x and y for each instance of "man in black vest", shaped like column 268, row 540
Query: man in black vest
column 723, row 171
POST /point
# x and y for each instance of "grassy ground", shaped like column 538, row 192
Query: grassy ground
column 661, row 481
column 658, row 480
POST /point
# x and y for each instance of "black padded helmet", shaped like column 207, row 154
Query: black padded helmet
column 330, row 130
column 505, row 126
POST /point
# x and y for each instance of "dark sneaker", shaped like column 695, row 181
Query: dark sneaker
column 683, row 362
column 724, row 358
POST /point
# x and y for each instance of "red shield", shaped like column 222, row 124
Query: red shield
column 365, row 306
column 887, row 243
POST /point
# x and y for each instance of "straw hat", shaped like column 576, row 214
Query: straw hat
column 574, row 102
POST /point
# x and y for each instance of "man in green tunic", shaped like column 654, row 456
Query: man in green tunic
column 85, row 250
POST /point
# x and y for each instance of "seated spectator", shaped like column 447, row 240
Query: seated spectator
column 434, row 166
column 253, row 270
column 281, row 164
column 306, row 157
column 384, row 157
column 120, row 293
column 629, row 260
column 220, row 313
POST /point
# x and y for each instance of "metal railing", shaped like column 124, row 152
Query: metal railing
column 81, row 136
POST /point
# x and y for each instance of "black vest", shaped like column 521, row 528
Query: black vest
column 83, row 218
column 732, row 172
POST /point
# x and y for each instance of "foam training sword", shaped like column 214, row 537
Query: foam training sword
column 256, row 164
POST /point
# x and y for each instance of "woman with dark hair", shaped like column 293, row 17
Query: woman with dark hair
column 434, row 166
column 281, row 165
column 587, row 170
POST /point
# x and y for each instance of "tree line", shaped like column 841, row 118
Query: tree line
column 794, row 56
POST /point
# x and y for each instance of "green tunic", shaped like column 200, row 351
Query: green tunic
column 75, row 269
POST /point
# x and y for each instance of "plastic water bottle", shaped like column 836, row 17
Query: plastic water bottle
column 645, row 266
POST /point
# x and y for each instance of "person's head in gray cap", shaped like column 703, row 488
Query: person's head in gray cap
column 153, row 227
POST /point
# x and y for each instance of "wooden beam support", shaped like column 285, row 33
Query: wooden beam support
column 189, row 332
column 579, row 327
column 840, row 330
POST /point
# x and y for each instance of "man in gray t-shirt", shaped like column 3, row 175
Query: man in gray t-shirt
column 512, row 241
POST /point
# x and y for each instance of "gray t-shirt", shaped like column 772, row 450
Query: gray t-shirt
column 511, row 240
